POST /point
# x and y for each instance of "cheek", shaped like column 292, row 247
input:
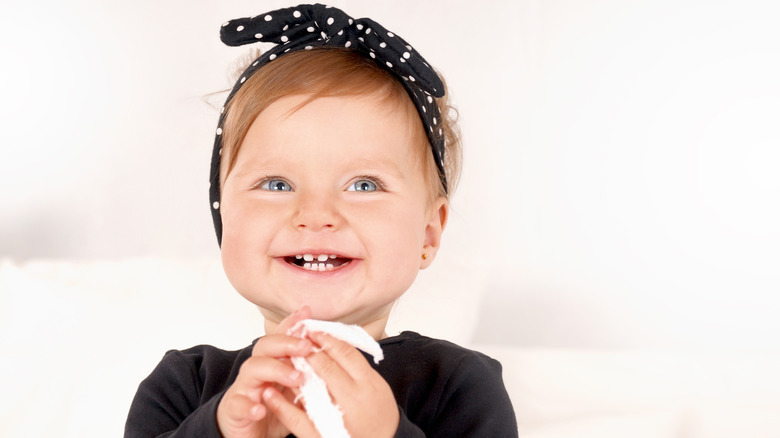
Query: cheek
column 242, row 246
column 398, row 234
column 245, row 218
column 232, row 212
column 238, row 236
column 233, row 248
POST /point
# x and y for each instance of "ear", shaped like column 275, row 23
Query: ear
column 437, row 221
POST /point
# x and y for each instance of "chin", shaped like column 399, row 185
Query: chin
column 330, row 313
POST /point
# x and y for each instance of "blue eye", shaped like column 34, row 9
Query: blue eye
column 276, row 185
column 363, row 185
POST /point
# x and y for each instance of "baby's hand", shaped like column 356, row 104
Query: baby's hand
column 365, row 398
column 268, row 375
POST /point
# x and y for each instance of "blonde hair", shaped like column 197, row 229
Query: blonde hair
column 325, row 72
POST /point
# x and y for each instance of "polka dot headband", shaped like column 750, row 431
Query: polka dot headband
column 307, row 26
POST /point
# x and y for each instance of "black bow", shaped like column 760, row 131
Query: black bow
column 313, row 25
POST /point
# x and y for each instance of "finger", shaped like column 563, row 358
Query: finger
column 240, row 410
column 291, row 416
column 348, row 358
column 281, row 345
column 292, row 319
column 259, row 370
column 336, row 379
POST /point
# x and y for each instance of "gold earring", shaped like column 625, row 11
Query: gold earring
column 425, row 256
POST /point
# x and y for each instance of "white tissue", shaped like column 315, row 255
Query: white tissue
column 326, row 416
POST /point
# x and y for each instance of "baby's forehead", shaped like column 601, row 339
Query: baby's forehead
column 382, row 103
column 278, row 158
column 358, row 116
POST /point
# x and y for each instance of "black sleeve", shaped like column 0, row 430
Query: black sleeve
column 476, row 403
column 168, row 403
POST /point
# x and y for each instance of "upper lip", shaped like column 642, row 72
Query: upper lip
column 316, row 252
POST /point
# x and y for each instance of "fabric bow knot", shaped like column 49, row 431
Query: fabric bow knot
column 315, row 25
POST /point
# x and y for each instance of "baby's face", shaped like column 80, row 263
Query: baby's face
column 326, row 206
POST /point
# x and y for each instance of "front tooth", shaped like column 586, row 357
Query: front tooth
column 308, row 257
column 329, row 267
column 322, row 258
column 307, row 266
column 321, row 266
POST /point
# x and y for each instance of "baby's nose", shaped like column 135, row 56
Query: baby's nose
column 317, row 212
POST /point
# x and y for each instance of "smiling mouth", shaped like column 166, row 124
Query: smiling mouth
column 317, row 262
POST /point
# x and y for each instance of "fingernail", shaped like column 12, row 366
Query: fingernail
column 303, row 344
column 267, row 394
column 295, row 375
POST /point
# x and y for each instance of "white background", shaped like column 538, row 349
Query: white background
column 621, row 178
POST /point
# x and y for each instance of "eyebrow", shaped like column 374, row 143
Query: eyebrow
column 245, row 168
column 369, row 164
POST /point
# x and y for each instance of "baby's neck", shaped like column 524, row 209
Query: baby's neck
column 375, row 328
column 377, row 332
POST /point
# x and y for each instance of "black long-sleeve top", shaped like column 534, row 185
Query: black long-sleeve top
column 442, row 390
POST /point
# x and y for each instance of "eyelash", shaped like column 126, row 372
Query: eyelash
column 380, row 187
column 268, row 179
